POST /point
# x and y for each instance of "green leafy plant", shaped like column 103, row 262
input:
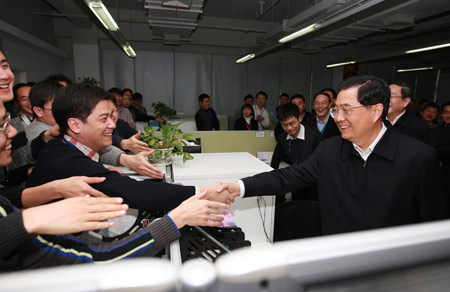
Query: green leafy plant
column 167, row 142
column 88, row 81
column 163, row 111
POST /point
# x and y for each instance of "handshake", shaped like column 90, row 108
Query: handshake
column 221, row 192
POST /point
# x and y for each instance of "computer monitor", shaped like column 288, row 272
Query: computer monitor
column 407, row 258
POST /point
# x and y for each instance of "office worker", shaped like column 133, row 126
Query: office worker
column 322, row 119
column 85, row 116
column 205, row 117
column 370, row 177
column 247, row 120
column 294, row 145
column 261, row 114
column 403, row 120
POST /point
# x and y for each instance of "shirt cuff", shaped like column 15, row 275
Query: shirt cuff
column 242, row 188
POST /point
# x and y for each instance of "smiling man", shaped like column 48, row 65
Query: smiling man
column 370, row 177
column 321, row 120
column 6, row 79
column 85, row 116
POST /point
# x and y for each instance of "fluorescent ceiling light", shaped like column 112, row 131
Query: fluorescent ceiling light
column 415, row 69
column 428, row 48
column 129, row 51
column 102, row 13
column 245, row 58
column 340, row 64
column 300, row 33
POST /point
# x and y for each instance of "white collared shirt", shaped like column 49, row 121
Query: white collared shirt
column 301, row 134
column 369, row 150
column 397, row 118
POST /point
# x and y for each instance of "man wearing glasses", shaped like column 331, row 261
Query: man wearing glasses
column 370, row 177
column 402, row 120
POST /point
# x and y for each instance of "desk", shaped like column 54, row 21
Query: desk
column 207, row 168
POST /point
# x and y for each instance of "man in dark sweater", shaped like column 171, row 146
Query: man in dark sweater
column 84, row 114
column 370, row 177
column 205, row 118
column 294, row 145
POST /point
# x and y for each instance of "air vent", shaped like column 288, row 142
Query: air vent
column 177, row 3
column 398, row 21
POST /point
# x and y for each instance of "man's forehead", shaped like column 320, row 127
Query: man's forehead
column 347, row 96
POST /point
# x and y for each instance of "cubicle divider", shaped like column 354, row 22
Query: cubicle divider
column 235, row 141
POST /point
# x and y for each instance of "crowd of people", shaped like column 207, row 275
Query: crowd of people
column 362, row 154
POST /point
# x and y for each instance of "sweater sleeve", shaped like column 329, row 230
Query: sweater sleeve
column 13, row 232
column 110, row 155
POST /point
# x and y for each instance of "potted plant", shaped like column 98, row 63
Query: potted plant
column 167, row 142
column 163, row 111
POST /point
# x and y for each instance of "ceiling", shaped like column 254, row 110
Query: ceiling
column 362, row 30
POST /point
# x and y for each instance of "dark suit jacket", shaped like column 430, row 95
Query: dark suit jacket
column 240, row 124
column 413, row 126
column 400, row 183
column 331, row 129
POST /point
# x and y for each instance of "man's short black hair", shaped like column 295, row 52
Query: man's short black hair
column 286, row 111
column 297, row 95
column 444, row 105
column 284, row 94
column 322, row 93
column 406, row 90
column 432, row 105
column 127, row 89
column 77, row 101
column 20, row 85
column 115, row 90
column 329, row 89
column 42, row 92
column 372, row 90
column 202, row 96
column 263, row 93
column 248, row 96
column 59, row 78
column 136, row 96
column 250, row 107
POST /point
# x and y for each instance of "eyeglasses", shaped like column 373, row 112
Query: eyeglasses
column 396, row 96
column 343, row 110
column 44, row 108
column 4, row 126
column 290, row 124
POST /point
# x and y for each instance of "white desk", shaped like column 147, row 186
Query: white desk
column 207, row 168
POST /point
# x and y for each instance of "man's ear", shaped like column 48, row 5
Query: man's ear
column 39, row 112
column 406, row 101
column 74, row 125
column 377, row 110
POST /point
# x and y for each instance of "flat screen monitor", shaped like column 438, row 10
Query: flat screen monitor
column 408, row 258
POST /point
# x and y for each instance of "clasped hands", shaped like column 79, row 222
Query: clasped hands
column 222, row 192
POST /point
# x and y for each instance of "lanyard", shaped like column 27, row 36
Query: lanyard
column 69, row 143
column 297, row 152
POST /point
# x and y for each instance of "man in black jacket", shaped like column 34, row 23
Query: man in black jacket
column 403, row 120
column 84, row 114
column 370, row 177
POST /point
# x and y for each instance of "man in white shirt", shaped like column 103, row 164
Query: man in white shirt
column 261, row 114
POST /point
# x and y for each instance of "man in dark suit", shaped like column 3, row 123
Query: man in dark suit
column 403, row 120
column 370, row 177
column 321, row 120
